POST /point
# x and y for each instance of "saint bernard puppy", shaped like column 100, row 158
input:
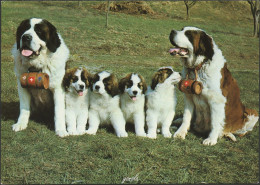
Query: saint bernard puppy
column 39, row 46
column 104, row 104
column 218, row 110
column 132, row 99
column 76, row 83
column 161, row 101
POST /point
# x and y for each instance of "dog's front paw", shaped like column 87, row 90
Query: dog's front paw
column 19, row 126
column 210, row 141
column 81, row 132
column 72, row 132
column 122, row 134
column 167, row 135
column 143, row 134
column 62, row 133
column 180, row 134
column 152, row 136
column 90, row 132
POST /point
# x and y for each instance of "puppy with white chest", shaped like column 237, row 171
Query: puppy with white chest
column 76, row 83
column 104, row 104
column 161, row 101
column 132, row 100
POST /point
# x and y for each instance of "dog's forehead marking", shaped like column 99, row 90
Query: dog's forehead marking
column 103, row 74
column 35, row 21
column 78, row 72
column 135, row 78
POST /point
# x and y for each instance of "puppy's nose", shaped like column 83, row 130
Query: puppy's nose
column 27, row 37
column 135, row 92
column 97, row 87
column 81, row 86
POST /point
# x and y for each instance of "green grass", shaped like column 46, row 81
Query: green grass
column 130, row 44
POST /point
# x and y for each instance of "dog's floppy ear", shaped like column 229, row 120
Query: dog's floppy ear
column 25, row 25
column 86, row 77
column 143, row 84
column 111, row 85
column 67, row 79
column 155, row 80
column 53, row 40
column 202, row 43
column 123, row 82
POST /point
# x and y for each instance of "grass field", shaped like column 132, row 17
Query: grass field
column 131, row 43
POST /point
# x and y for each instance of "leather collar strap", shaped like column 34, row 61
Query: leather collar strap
column 33, row 69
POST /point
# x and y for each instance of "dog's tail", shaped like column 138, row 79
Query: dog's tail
column 250, row 119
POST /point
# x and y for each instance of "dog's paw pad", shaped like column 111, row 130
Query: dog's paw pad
column 18, row 127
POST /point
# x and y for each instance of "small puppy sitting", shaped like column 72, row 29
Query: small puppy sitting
column 161, row 101
column 132, row 99
column 104, row 104
column 76, row 82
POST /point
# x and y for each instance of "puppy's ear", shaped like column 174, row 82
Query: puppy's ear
column 111, row 85
column 86, row 77
column 67, row 80
column 155, row 80
column 144, row 85
column 122, row 84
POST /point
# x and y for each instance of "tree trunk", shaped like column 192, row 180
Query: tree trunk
column 108, row 7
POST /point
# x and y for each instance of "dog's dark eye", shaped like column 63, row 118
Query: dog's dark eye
column 75, row 79
column 139, row 85
column 129, row 84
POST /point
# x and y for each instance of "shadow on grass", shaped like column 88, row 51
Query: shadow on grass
column 10, row 111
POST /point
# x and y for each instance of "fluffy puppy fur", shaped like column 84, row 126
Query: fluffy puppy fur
column 218, row 110
column 161, row 101
column 76, row 83
column 132, row 99
column 39, row 46
column 104, row 104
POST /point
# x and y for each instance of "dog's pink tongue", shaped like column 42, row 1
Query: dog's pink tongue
column 26, row 52
column 134, row 98
column 174, row 50
column 80, row 93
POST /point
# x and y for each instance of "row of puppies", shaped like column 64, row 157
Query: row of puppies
column 99, row 98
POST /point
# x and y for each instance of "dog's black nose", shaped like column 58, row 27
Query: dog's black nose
column 135, row 92
column 27, row 37
column 97, row 87
column 81, row 86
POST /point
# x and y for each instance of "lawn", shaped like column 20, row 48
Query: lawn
column 131, row 43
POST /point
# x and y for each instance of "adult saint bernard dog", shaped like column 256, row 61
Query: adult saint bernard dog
column 218, row 109
column 39, row 47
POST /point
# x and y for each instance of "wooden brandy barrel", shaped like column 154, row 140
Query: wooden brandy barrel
column 190, row 86
column 35, row 80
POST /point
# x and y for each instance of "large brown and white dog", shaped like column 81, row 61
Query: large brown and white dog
column 218, row 109
column 132, row 100
column 39, row 46
column 104, row 104
column 76, row 83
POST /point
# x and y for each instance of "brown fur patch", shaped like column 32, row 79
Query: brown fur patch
column 235, row 111
column 160, row 76
column 202, row 43
column 111, row 85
